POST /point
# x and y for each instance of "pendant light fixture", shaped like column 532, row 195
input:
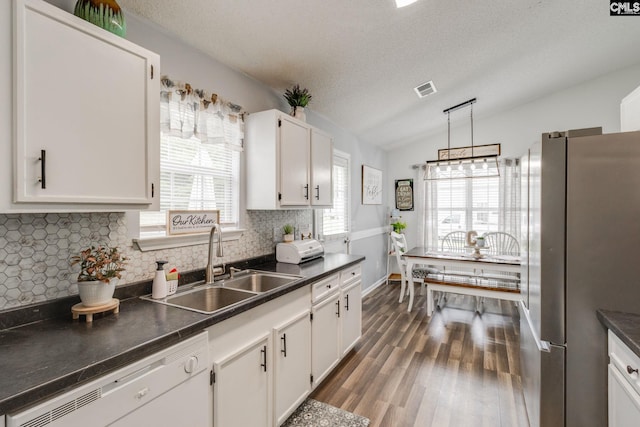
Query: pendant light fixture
column 470, row 166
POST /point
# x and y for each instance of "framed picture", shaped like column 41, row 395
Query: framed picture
column 404, row 194
column 465, row 152
column 371, row 186
column 191, row 222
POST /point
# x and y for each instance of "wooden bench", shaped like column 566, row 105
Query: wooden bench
column 490, row 286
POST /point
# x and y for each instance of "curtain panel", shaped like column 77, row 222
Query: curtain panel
column 496, row 200
column 187, row 112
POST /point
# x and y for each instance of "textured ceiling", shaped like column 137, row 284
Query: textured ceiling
column 361, row 59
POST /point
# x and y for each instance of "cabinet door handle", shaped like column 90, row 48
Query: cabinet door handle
column 338, row 308
column 43, row 169
column 630, row 370
column 283, row 338
column 317, row 192
column 346, row 306
column 264, row 358
column 306, row 192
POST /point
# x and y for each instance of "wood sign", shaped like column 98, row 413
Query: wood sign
column 465, row 152
column 404, row 194
column 188, row 222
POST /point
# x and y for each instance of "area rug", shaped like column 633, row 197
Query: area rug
column 317, row 414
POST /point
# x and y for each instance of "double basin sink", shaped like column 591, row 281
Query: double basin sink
column 211, row 297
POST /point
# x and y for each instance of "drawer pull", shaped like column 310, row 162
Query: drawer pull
column 630, row 370
column 329, row 286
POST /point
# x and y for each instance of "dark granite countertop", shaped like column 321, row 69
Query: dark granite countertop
column 625, row 325
column 41, row 359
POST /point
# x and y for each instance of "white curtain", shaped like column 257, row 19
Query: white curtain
column 188, row 112
column 460, row 203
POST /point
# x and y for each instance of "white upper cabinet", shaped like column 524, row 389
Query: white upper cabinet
column 321, row 173
column 86, row 115
column 289, row 163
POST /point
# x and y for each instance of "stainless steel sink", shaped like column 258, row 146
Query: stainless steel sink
column 212, row 297
column 258, row 281
column 206, row 300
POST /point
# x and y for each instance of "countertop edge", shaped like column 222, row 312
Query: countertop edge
column 99, row 368
column 626, row 326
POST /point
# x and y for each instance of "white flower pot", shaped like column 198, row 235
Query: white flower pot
column 287, row 238
column 298, row 113
column 95, row 292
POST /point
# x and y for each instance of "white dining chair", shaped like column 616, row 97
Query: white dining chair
column 399, row 244
column 455, row 242
column 501, row 243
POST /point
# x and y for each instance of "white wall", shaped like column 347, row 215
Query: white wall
column 590, row 104
column 188, row 64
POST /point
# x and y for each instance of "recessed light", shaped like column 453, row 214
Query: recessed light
column 403, row 3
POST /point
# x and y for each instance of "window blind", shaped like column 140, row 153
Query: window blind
column 335, row 221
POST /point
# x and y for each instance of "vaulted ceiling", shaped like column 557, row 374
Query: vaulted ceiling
column 361, row 59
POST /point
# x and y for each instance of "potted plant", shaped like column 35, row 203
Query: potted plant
column 298, row 100
column 100, row 269
column 398, row 226
column 287, row 230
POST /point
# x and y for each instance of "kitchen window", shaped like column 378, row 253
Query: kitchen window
column 333, row 224
column 200, row 147
column 483, row 204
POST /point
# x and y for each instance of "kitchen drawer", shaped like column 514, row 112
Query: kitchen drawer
column 624, row 360
column 325, row 287
column 350, row 275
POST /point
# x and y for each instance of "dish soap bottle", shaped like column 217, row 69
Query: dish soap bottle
column 159, row 289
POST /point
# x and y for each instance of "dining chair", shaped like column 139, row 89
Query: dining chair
column 399, row 243
column 455, row 242
column 501, row 243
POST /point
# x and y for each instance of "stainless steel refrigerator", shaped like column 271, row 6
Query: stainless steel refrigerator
column 582, row 252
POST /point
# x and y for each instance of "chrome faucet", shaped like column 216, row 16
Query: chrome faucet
column 211, row 272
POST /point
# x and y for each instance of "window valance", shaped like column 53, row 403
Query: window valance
column 187, row 112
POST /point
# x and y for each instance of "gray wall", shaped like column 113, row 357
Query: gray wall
column 34, row 259
column 589, row 104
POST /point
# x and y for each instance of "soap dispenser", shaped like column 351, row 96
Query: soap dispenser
column 159, row 282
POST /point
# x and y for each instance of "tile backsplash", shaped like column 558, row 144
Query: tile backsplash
column 35, row 250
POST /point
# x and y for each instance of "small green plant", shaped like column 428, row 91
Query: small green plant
column 287, row 229
column 399, row 226
column 297, row 97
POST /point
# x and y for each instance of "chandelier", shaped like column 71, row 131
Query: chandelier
column 469, row 164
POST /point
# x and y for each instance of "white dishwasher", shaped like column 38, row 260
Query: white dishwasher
column 168, row 389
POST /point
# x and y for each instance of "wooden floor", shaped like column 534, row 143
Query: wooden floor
column 457, row 368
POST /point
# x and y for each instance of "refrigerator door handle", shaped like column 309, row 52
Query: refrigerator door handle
column 544, row 346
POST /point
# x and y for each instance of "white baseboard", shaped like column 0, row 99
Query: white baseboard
column 373, row 287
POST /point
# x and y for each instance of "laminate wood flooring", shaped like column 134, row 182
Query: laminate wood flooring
column 457, row 368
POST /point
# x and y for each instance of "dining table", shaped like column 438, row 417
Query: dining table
column 471, row 262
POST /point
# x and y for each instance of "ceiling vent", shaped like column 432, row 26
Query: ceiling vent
column 426, row 89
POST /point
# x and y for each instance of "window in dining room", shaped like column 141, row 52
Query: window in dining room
column 483, row 204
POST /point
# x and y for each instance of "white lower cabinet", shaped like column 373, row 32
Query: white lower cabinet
column 351, row 316
column 325, row 329
column 1, row 420
column 266, row 361
column 624, row 385
column 252, row 384
column 292, row 365
column 241, row 388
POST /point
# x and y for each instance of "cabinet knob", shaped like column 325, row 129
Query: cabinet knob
column 630, row 370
